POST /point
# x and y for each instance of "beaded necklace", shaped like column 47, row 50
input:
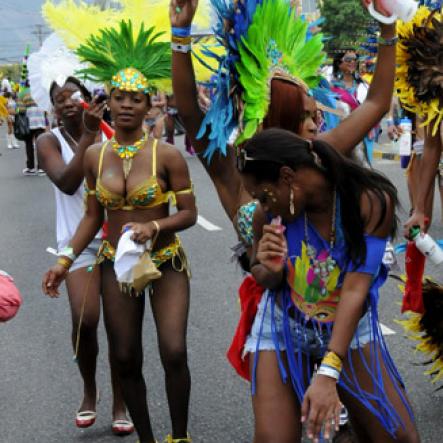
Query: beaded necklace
column 127, row 152
column 323, row 268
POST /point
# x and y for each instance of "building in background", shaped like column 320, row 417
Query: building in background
column 308, row 8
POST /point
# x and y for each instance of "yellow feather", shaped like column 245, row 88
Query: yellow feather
column 202, row 73
column 406, row 94
column 156, row 13
column 75, row 22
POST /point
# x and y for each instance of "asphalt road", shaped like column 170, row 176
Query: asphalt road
column 40, row 387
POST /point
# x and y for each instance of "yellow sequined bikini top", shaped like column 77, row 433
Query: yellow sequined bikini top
column 144, row 196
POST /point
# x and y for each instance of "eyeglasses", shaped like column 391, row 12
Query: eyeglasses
column 349, row 59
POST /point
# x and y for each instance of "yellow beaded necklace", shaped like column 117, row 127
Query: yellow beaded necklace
column 127, row 152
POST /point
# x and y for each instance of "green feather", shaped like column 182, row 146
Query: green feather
column 273, row 24
column 113, row 50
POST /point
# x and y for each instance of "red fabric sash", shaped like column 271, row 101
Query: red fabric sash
column 415, row 268
column 250, row 293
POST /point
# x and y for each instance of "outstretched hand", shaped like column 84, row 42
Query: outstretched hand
column 181, row 12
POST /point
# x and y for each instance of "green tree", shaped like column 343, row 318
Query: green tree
column 345, row 23
column 11, row 70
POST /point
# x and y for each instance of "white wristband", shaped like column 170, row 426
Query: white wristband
column 328, row 372
column 181, row 48
column 67, row 251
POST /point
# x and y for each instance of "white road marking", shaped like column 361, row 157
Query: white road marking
column 206, row 224
column 384, row 162
column 385, row 330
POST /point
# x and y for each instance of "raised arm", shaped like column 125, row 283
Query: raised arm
column 353, row 129
column 183, row 79
column 221, row 169
column 68, row 177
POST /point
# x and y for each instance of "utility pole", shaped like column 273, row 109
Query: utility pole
column 39, row 33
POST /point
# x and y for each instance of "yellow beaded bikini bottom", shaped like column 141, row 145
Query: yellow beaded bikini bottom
column 173, row 252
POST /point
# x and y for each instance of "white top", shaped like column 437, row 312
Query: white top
column 6, row 85
column 69, row 208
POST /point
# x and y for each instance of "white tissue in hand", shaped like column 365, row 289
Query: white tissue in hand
column 126, row 257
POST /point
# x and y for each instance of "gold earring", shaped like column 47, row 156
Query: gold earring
column 291, row 203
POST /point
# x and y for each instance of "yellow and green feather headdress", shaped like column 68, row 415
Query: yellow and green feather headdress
column 419, row 81
column 127, row 60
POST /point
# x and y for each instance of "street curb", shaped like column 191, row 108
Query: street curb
column 386, row 156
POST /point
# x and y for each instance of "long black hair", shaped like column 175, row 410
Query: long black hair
column 273, row 148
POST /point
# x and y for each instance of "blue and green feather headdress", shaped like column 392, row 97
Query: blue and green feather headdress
column 264, row 39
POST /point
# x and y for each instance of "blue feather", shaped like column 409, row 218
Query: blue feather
column 431, row 4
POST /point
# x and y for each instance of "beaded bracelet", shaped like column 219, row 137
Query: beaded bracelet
column 180, row 48
column 387, row 41
column 181, row 32
column 156, row 225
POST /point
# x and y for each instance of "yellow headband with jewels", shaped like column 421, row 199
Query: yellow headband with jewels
column 131, row 80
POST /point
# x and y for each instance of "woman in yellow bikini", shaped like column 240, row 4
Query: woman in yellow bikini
column 133, row 64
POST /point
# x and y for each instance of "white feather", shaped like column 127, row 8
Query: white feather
column 52, row 63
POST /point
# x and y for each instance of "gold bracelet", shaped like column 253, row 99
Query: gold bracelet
column 332, row 360
column 181, row 40
column 157, row 226
column 65, row 262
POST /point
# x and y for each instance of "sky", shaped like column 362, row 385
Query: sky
column 18, row 20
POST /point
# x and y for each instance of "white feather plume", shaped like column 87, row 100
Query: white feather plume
column 52, row 63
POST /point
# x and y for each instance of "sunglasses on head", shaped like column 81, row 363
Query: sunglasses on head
column 242, row 158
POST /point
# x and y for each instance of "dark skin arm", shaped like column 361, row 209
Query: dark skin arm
column 178, row 178
column 354, row 128
column 87, row 229
column 68, row 177
column 429, row 166
column 321, row 402
column 221, row 169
